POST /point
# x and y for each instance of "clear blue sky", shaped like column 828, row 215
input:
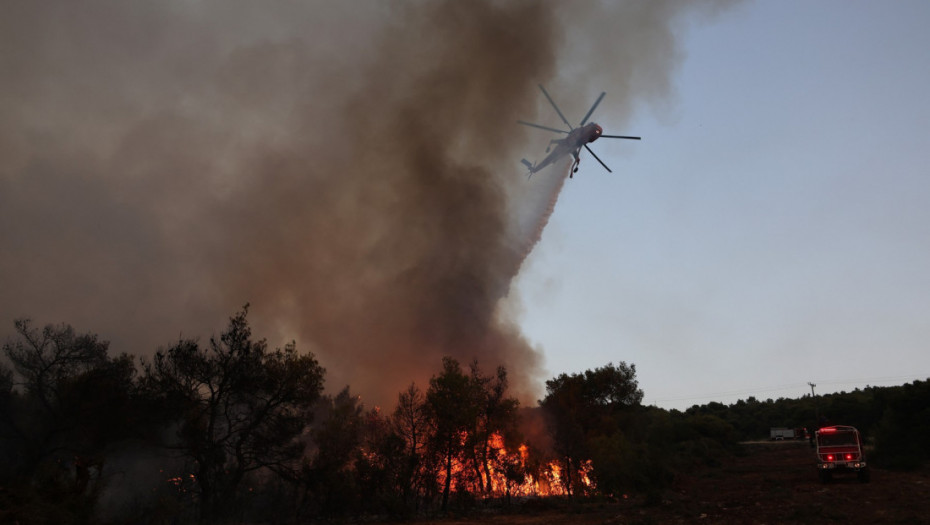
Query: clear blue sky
column 773, row 226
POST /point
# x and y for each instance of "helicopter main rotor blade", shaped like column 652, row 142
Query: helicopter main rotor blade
column 597, row 159
column 620, row 137
column 556, row 108
column 530, row 124
column 596, row 102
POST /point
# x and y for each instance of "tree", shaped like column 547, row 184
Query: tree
column 380, row 462
column 61, row 405
column 410, row 422
column 566, row 414
column 452, row 406
column 241, row 406
column 901, row 434
column 582, row 407
column 496, row 415
column 337, row 438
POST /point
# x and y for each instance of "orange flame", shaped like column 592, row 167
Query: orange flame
column 511, row 473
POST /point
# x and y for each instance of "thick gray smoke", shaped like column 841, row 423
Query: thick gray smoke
column 350, row 169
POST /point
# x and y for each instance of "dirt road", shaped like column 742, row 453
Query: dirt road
column 772, row 483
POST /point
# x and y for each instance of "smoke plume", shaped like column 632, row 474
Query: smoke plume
column 350, row 169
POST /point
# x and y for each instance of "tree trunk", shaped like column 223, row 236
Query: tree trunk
column 476, row 465
column 448, row 484
column 485, row 463
column 568, row 480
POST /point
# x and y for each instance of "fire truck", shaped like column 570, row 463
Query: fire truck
column 839, row 449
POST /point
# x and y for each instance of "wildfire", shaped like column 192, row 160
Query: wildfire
column 511, row 472
column 495, row 472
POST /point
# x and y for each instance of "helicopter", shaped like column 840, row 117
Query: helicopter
column 577, row 138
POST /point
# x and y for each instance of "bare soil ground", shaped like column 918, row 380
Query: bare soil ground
column 772, row 483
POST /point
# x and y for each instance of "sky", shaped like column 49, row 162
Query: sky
column 772, row 228
column 351, row 170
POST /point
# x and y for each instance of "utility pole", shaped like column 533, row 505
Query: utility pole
column 816, row 411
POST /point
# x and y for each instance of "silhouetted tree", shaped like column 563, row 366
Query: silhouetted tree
column 336, row 439
column 901, row 437
column 496, row 415
column 583, row 407
column 452, row 406
column 410, row 422
column 379, row 461
column 63, row 403
column 241, row 408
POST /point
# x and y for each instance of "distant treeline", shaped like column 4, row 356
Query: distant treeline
column 894, row 420
column 232, row 431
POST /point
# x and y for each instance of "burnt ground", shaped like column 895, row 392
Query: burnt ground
column 769, row 483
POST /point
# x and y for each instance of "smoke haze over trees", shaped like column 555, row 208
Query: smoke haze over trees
column 232, row 430
column 349, row 169
column 239, row 430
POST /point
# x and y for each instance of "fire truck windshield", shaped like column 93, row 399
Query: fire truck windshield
column 837, row 439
